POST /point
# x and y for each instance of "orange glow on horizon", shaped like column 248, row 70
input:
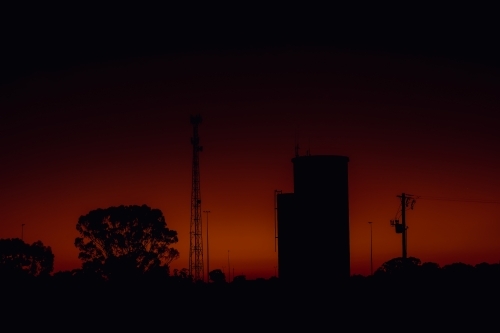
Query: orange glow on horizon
column 126, row 141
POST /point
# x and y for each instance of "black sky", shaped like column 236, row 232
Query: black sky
column 56, row 38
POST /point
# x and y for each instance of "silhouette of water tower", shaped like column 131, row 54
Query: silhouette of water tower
column 313, row 222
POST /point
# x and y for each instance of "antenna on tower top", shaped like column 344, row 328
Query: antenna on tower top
column 195, row 119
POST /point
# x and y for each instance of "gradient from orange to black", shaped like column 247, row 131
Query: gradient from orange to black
column 96, row 129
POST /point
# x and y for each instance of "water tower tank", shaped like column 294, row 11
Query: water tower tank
column 315, row 222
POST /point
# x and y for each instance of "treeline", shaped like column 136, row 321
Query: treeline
column 413, row 268
column 22, row 262
column 400, row 292
column 125, row 278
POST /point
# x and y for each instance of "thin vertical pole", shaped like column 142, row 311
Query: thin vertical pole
column 403, row 218
column 208, row 258
column 371, row 248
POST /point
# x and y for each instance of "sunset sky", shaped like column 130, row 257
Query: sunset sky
column 89, row 124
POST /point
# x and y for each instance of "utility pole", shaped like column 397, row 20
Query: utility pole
column 403, row 221
column 22, row 231
column 228, row 268
column 371, row 249
column 401, row 228
column 208, row 258
column 276, row 193
column 195, row 227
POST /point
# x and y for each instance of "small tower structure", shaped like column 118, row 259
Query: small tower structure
column 195, row 229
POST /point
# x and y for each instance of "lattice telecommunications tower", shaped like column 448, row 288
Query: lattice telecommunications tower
column 195, row 230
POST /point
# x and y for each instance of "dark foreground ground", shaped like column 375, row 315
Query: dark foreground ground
column 388, row 305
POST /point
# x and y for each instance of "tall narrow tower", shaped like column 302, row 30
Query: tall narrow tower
column 195, row 230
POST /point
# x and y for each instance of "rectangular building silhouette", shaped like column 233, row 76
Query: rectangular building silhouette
column 313, row 222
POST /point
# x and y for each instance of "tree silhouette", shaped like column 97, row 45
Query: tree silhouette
column 239, row 278
column 399, row 266
column 18, row 258
column 458, row 270
column 182, row 274
column 430, row 269
column 125, row 241
column 217, row 276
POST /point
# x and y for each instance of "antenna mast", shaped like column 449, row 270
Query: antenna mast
column 195, row 230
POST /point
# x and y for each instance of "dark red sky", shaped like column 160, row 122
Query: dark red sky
column 93, row 131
